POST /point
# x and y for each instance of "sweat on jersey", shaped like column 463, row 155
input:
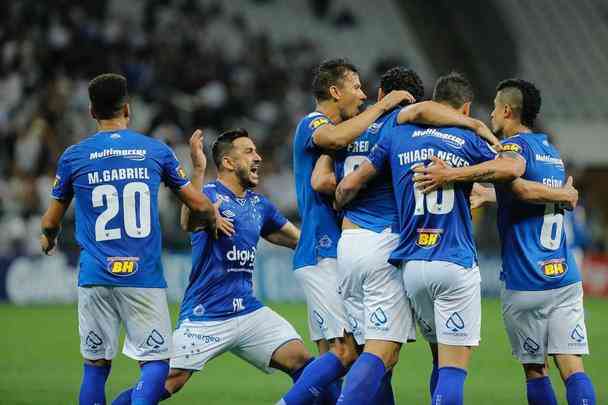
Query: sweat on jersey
column 320, row 230
column 435, row 226
column 220, row 285
column 374, row 207
column 535, row 255
column 114, row 177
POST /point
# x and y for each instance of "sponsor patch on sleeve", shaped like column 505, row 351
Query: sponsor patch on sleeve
column 511, row 147
column 182, row 173
column 317, row 122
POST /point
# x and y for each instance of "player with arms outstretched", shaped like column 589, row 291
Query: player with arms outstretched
column 114, row 177
column 542, row 297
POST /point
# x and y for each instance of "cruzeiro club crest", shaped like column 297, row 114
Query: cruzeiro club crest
column 378, row 317
column 155, row 339
column 455, row 322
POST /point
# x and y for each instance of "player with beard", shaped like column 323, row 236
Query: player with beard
column 219, row 312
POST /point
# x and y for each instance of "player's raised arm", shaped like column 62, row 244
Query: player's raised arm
column 333, row 137
column 323, row 178
column 287, row 236
column 437, row 114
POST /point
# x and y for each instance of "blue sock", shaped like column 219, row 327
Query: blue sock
column 385, row 395
column 331, row 393
column 363, row 380
column 296, row 375
column 314, row 379
column 151, row 385
column 579, row 390
column 450, row 386
column 93, row 387
column 540, row 392
column 124, row 398
column 433, row 379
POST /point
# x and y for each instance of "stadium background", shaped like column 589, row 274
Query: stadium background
column 248, row 63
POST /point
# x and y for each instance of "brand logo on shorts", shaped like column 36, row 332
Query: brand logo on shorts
column 200, row 337
column 379, row 318
column 155, row 339
column 123, row 266
column 428, row 238
column 531, row 346
column 319, row 319
column 455, row 322
column 578, row 334
column 554, row 268
column 354, row 325
column 93, row 341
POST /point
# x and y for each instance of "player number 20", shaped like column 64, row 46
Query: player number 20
column 553, row 227
column 134, row 227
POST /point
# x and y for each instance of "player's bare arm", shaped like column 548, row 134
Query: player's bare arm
column 538, row 193
column 503, row 169
column 334, row 137
column 437, row 114
column 323, row 178
column 287, row 236
column 350, row 185
column 51, row 224
column 482, row 195
column 197, row 211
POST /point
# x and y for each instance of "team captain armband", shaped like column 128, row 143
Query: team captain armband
column 318, row 122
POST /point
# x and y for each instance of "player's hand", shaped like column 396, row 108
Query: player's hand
column 199, row 160
column 484, row 132
column 572, row 194
column 394, row 98
column 222, row 224
column 479, row 195
column 47, row 245
column 433, row 176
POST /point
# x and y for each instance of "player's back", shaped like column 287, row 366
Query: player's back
column 534, row 247
column 374, row 207
column 114, row 177
column 319, row 229
column 435, row 226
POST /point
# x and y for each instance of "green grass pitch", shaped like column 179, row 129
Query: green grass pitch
column 41, row 363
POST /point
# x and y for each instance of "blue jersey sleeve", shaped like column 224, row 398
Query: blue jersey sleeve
column 62, row 186
column 518, row 146
column 482, row 151
column 314, row 124
column 380, row 154
column 174, row 175
column 273, row 219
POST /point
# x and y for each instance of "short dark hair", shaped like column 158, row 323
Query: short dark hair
column 108, row 94
column 224, row 143
column 402, row 78
column 453, row 89
column 529, row 107
column 327, row 74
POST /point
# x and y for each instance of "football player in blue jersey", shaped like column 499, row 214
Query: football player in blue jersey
column 114, row 177
column 542, row 297
column 219, row 312
column 436, row 250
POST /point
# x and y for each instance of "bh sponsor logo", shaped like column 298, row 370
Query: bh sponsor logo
column 242, row 257
column 577, row 336
column 379, row 319
column 531, row 346
column 428, row 238
column 123, row 266
column 455, row 324
column 554, row 268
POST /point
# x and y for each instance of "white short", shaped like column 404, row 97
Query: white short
column 253, row 337
column 326, row 313
column 143, row 311
column 374, row 297
column 447, row 301
column 541, row 323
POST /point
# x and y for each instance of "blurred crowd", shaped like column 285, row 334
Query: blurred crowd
column 189, row 65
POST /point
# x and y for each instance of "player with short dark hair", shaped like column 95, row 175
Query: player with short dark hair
column 114, row 176
column 542, row 295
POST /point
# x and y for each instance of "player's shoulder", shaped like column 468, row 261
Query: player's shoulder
column 312, row 121
column 517, row 143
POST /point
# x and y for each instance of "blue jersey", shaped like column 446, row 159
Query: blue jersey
column 374, row 208
column 220, row 284
column 534, row 248
column 114, row 177
column 320, row 230
column 437, row 225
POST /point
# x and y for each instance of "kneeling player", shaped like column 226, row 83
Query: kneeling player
column 219, row 312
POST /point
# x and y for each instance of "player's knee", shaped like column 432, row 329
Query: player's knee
column 98, row 362
column 176, row 379
column 534, row 371
column 345, row 351
column 569, row 364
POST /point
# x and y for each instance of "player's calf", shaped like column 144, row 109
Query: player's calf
column 579, row 389
column 92, row 389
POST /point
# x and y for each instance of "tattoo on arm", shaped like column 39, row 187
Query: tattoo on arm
column 484, row 176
